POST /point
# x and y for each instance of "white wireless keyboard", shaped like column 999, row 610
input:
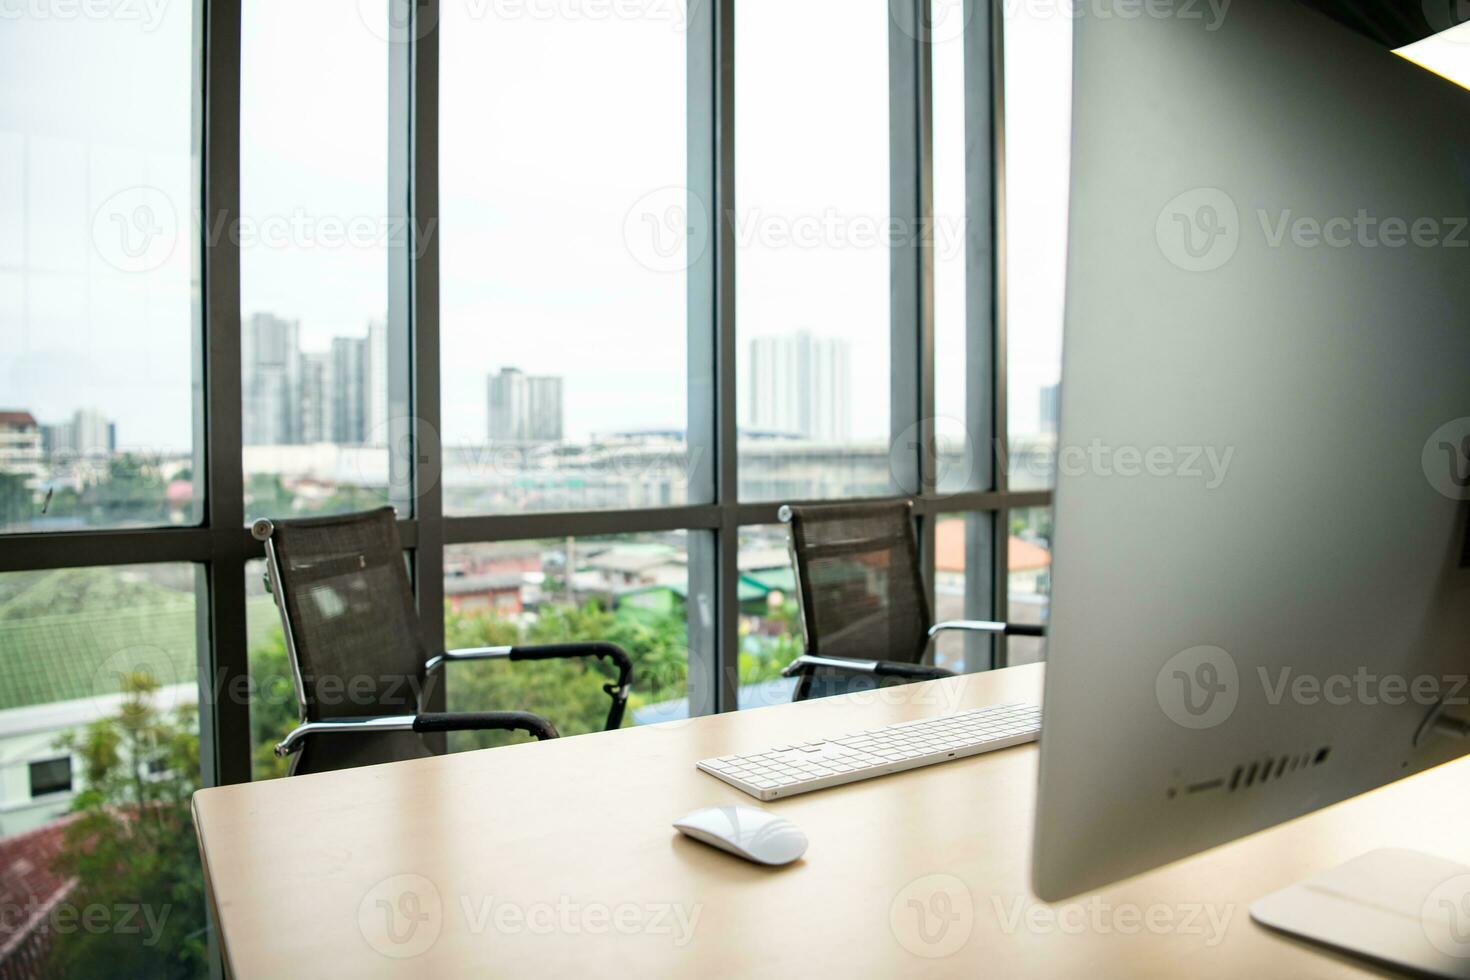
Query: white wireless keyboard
column 787, row 770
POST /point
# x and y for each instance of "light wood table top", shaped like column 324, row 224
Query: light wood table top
column 557, row 859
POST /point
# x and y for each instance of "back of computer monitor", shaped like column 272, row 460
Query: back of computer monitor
column 1260, row 589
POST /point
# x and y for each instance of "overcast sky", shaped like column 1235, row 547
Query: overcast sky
column 559, row 127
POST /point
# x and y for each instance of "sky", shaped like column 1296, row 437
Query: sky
column 562, row 137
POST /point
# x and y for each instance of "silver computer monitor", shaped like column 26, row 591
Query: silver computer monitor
column 1260, row 588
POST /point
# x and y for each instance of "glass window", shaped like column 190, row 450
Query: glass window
column 100, row 668
column 770, row 616
column 567, row 233
column 811, row 236
column 97, row 269
column 1038, row 86
column 632, row 590
column 957, row 597
column 958, row 468
column 1028, row 590
column 953, row 598
column 314, row 239
column 51, row 776
column 273, row 711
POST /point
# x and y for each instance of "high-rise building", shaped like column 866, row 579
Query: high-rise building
column 377, row 381
column 524, row 408
column 350, row 390
column 800, row 385
column 293, row 397
column 315, row 397
column 20, row 445
column 270, row 357
column 1050, row 406
column 87, row 433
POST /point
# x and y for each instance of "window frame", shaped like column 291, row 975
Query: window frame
column 221, row 546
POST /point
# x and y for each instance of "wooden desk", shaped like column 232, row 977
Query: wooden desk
column 557, row 859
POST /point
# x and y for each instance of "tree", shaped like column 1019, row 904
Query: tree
column 131, row 846
column 132, row 491
column 15, row 500
column 273, row 711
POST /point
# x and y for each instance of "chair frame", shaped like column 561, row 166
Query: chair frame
column 805, row 666
column 264, row 531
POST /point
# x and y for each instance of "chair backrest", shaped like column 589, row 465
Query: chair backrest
column 354, row 632
column 862, row 592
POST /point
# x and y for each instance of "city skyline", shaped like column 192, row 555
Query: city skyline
column 292, row 395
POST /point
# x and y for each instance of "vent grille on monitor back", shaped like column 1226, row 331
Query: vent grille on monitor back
column 1258, row 772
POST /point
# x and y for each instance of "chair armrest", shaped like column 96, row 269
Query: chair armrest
column 483, row 721
column 881, row 668
column 467, row 722
column 557, row 651
column 982, row 626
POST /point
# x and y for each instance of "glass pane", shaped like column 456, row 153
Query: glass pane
column 811, row 238
column 1029, row 588
column 1038, row 84
column 98, row 706
column 958, row 460
column 770, row 616
column 98, row 282
column 314, row 251
column 565, row 230
column 952, row 599
column 632, row 590
column 273, row 711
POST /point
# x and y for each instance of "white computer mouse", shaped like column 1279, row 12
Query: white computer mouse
column 747, row 832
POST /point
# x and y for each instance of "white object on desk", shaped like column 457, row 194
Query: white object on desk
column 1401, row 907
column 787, row 770
column 746, row 832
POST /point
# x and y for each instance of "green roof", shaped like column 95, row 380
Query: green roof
column 100, row 629
column 772, row 579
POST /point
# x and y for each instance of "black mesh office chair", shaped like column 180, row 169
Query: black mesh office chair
column 357, row 655
column 864, row 606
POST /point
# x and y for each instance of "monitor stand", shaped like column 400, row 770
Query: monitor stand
column 1403, row 908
